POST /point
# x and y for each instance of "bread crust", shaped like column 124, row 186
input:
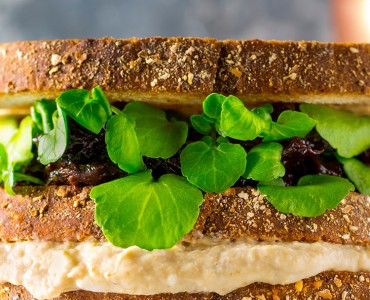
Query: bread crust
column 326, row 285
column 65, row 213
column 161, row 68
column 167, row 71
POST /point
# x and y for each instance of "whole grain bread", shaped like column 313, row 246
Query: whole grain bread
column 67, row 214
column 183, row 71
column 326, row 285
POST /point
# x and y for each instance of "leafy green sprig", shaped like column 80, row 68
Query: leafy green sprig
column 16, row 153
column 349, row 134
column 155, row 213
column 137, row 209
column 230, row 118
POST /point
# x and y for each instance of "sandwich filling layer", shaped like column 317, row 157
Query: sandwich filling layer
column 47, row 269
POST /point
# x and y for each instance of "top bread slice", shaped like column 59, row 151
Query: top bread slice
column 183, row 71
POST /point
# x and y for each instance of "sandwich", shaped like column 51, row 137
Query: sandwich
column 184, row 168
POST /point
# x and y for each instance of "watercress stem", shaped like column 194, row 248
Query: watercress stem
column 116, row 110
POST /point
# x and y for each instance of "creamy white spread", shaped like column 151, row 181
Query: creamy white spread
column 47, row 269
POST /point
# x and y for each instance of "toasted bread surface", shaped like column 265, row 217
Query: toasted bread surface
column 67, row 214
column 326, row 285
column 183, row 71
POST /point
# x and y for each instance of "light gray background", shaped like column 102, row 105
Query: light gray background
column 237, row 19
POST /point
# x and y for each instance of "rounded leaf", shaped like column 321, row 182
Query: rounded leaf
column 212, row 105
column 313, row 195
column 264, row 162
column 53, row 144
column 345, row 131
column 213, row 168
column 157, row 136
column 358, row 173
column 289, row 124
column 139, row 211
column 122, row 143
column 238, row 122
column 91, row 113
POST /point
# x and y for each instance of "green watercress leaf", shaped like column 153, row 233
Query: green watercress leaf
column 358, row 173
column 289, row 124
column 213, row 168
column 151, row 214
column 8, row 127
column 264, row 112
column 42, row 115
column 102, row 99
column 278, row 181
column 53, row 144
column 157, row 136
column 8, row 178
column 3, row 158
column 202, row 124
column 313, row 195
column 238, row 122
column 212, row 106
column 345, row 131
column 91, row 113
column 264, row 162
column 19, row 148
column 122, row 143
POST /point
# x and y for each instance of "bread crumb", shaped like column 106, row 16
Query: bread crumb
column 326, row 294
column 272, row 58
column 38, row 198
column 19, row 54
column 298, row 286
column 154, row 83
column 353, row 228
column 345, row 236
column 347, row 209
column 149, row 61
column 250, row 215
column 81, row 57
column 317, row 284
column 353, row 50
column 344, row 295
column 55, row 59
column 243, row 195
column 346, row 218
column 190, row 78
column 190, row 51
column 361, row 278
column 236, row 72
column 3, row 52
column 292, row 76
column 337, row 282
column 53, row 70
column 164, row 76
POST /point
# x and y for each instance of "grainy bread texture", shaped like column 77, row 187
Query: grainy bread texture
column 183, row 71
column 67, row 214
column 327, row 285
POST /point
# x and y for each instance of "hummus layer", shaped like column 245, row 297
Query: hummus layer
column 47, row 269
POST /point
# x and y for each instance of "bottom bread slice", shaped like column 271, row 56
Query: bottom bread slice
column 326, row 285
